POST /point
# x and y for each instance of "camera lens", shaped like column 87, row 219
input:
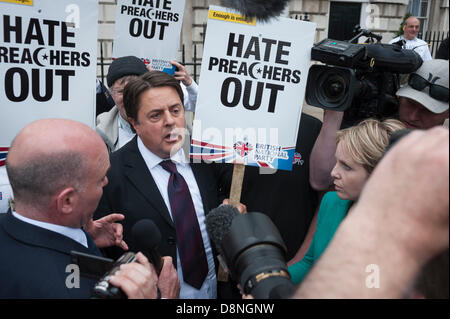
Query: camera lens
column 331, row 88
column 334, row 88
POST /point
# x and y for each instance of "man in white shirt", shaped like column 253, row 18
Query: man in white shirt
column 410, row 41
column 142, row 187
column 113, row 126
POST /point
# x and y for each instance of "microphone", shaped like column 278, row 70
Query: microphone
column 261, row 10
column 147, row 238
column 218, row 223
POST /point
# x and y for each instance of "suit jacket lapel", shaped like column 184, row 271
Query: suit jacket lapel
column 37, row 236
column 137, row 172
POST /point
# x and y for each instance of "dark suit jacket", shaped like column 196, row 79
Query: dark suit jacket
column 132, row 191
column 33, row 262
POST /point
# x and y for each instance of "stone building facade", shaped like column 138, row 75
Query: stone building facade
column 381, row 17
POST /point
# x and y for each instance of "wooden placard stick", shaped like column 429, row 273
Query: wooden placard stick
column 235, row 199
column 236, row 184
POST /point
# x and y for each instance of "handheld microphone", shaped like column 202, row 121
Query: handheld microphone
column 261, row 10
column 147, row 238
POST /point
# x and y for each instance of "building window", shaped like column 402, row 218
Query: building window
column 420, row 9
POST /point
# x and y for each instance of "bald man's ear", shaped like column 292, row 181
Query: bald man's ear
column 67, row 200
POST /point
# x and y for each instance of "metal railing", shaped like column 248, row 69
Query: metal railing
column 433, row 38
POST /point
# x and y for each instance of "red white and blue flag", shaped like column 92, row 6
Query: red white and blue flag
column 3, row 153
column 240, row 151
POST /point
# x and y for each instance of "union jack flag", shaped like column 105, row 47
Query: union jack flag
column 3, row 153
column 242, row 149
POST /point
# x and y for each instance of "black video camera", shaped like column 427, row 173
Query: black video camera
column 359, row 79
column 101, row 269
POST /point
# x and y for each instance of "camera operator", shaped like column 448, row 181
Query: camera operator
column 408, row 40
column 57, row 169
column 423, row 103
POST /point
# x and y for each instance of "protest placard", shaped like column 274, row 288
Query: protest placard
column 252, row 85
column 48, row 62
column 150, row 30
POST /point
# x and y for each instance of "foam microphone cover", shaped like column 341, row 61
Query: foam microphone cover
column 260, row 9
column 218, row 223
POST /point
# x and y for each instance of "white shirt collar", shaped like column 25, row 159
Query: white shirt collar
column 153, row 160
column 74, row 233
column 403, row 38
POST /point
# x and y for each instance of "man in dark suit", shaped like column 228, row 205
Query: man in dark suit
column 57, row 169
column 150, row 177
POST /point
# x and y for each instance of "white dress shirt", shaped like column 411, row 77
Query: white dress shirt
column 418, row 45
column 190, row 96
column 161, row 177
column 74, row 233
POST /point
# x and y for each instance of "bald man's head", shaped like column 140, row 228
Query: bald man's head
column 50, row 155
column 411, row 28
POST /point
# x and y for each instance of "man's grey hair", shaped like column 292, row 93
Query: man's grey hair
column 36, row 180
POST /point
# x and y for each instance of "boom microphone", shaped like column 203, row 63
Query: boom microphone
column 147, row 238
column 260, row 9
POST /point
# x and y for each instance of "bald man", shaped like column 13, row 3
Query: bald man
column 409, row 39
column 57, row 169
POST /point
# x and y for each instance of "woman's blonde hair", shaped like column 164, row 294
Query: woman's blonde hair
column 367, row 141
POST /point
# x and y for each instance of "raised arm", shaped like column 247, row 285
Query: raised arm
column 322, row 158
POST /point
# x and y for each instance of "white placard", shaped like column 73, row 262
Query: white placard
column 48, row 63
column 150, row 30
column 252, row 86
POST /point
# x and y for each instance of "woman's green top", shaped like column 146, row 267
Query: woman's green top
column 331, row 213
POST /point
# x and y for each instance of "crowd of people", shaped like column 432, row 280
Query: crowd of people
column 353, row 198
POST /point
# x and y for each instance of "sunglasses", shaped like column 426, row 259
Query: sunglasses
column 437, row 92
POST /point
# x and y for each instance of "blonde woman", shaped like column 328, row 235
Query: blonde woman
column 359, row 149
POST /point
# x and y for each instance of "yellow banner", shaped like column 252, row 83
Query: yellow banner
column 25, row 2
column 231, row 17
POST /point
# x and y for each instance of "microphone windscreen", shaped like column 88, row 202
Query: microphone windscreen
column 260, row 9
column 218, row 222
column 146, row 235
